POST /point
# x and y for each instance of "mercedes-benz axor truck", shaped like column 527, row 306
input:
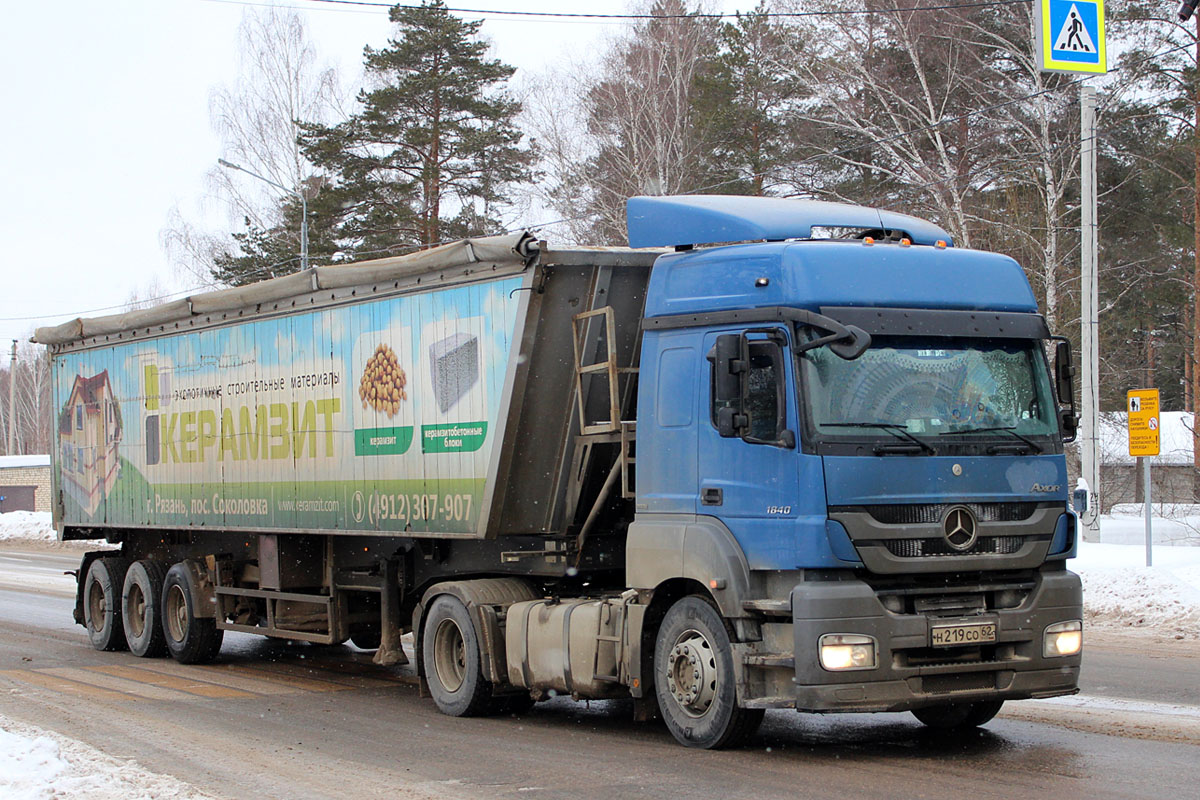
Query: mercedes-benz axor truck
column 775, row 454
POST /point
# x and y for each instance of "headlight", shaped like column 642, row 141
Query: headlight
column 843, row 651
column 1063, row 639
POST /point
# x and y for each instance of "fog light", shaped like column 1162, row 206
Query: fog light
column 1063, row 639
column 843, row 651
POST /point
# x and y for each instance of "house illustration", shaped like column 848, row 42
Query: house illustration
column 89, row 428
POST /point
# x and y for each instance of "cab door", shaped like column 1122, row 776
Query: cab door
column 749, row 476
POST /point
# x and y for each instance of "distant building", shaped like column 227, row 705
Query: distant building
column 1172, row 476
column 89, row 428
column 24, row 483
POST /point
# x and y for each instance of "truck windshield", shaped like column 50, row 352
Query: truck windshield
column 930, row 387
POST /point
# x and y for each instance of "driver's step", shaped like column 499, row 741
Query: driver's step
column 786, row 660
column 782, row 608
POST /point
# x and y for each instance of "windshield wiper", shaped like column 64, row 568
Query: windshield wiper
column 897, row 430
column 1009, row 429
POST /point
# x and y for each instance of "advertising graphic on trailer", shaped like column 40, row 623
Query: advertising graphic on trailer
column 379, row 416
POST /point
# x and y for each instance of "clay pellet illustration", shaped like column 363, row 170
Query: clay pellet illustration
column 383, row 380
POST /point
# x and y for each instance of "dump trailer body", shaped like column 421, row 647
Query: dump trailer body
column 366, row 399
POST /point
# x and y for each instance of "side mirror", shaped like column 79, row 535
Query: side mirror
column 1064, row 386
column 852, row 348
column 730, row 358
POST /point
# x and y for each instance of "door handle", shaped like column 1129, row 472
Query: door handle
column 711, row 496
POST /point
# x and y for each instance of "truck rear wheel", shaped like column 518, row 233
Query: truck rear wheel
column 190, row 639
column 139, row 609
column 959, row 716
column 450, row 655
column 694, row 678
column 102, row 603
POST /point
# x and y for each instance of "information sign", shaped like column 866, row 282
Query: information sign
column 1142, row 405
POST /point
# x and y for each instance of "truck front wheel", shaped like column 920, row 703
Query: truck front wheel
column 102, row 603
column 450, row 655
column 958, row 716
column 694, row 678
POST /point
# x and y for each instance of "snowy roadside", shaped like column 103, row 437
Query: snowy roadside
column 36, row 764
column 37, row 527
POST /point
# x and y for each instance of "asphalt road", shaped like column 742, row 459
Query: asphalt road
column 277, row 720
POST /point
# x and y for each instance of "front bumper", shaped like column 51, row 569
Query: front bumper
column 909, row 673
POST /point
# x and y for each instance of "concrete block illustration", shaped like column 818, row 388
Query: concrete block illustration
column 454, row 367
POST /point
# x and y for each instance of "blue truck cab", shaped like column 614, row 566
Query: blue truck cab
column 856, row 445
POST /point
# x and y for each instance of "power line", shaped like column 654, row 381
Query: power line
column 696, row 15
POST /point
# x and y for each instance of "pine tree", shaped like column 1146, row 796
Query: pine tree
column 435, row 147
column 740, row 102
column 268, row 252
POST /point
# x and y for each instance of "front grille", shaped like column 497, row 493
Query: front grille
column 932, row 513
column 944, row 656
column 937, row 546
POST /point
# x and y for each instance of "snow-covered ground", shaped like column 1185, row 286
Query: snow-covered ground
column 41, row 765
column 27, row 525
column 1119, row 591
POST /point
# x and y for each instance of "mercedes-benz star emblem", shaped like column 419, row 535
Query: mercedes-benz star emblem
column 960, row 528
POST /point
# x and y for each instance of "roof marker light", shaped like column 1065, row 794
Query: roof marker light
column 940, row 244
column 868, row 240
column 905, row 242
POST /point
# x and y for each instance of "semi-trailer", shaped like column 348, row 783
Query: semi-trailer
column 775, row 454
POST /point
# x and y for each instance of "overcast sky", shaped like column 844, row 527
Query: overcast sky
column 106, row 129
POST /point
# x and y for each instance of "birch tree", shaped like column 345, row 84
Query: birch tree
column 640, row 116
column 280, row 81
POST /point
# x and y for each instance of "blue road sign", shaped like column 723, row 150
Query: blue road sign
column 1071, row 36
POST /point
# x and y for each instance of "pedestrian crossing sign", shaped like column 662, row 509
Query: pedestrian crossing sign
column 1071, row 36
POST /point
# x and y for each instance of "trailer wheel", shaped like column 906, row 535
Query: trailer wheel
column 102, row 603
column 190, row 639
column 958, row 716
column 694, row 678
column 450, row 654
column 139, row 609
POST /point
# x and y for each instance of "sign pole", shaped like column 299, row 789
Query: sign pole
column 1146, row 497
column 12, row 409
column 1141, row 407
column 1089, row 460
column 1069, row 37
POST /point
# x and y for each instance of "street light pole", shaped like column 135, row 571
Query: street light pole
column 12, row 409
column 293, row 193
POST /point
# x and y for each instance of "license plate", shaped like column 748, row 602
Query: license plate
column 952, row 635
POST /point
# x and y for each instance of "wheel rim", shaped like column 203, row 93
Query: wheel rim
column 136, row 603
column 692, row 674
column 449, row 655
column 177, row 615
column 97, row 605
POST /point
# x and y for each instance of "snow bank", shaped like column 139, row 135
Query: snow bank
column 41, row 765
column 1170, row 524
column 27, row 525
column 1119, row 590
